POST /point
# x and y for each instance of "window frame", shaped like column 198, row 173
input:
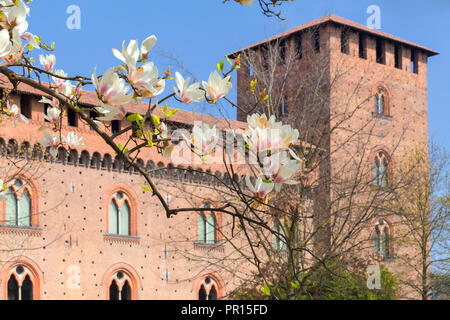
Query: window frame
column 26, row 106
column 382, row 246
column 379, row 158
column 381, row 91
column 131, row 198
column 345, row 40
column 215, row 281
column 362, row 45
column 30, row 269
column 119, row 204
column 120, row 282
column 130, row 274
column 29, row 187
column 203, row 222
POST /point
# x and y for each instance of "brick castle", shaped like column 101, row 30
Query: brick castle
column 81, row 227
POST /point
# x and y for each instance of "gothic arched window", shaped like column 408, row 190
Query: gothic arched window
column 18, row 205
column 119, row 215
column 380, row 169
column 211, row 229
column 120, row 287
column 381, row 99
column 206, row 227
column 20, row 285
column 382, row 239
column 208, row 290
column 201, row 228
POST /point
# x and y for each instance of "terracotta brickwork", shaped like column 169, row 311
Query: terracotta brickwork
column 67, row 251
column 373, row 98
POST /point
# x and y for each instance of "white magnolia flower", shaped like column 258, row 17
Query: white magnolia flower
column 32, row 40
column 73, row 140
column 186, row 93
column 5, row 44
column 52, row 142
column 203, row 139
column 276, row 138
column 6, row 3
column 148, row 45
column 15, row 114
column 130, row 55
column 16, row 16
column 111, row 90
column 48, row 62
column 16, row 19
column 67, row 89
column 16, row 53
column 54, row 102
column 280, row 168
column 261, row 189
column 58, row 81
column 260, row 121
column 53, row 113
column 216, row 87
column 146, row 82
column 111, row 113
column 166, row 146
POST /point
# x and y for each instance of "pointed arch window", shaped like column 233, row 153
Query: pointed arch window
column 18, row 205
column 21, row 284
column 120, row 287
column 119, row 215
column 211, row 229
column 380, row 169
column 381, row 102
column 206, row 228
column 382, row 239
column 208, row 290
column 201, row 228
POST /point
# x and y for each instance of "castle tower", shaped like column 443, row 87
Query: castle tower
column 357, row 94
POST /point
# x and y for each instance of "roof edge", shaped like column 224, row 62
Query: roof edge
column 341, row 21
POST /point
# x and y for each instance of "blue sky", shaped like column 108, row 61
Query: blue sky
column 198, row 33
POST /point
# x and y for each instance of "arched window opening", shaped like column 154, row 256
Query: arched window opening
column 381, row 241
column 201, row 228
column 27, row 289
column 106, row 162
column 18, row 205
column 12, row 148
column 84, row 159
column 380, row 102
column 113, row 291
column 13, row 288
column 206, row 227
column 119, row 215
column 211, row 229
column 120, row 287
column 126, row 291
column 212, row 293
column 380, row 170
column 208, row 290
column 202, row 293
column 73, row 157
column 20, row 285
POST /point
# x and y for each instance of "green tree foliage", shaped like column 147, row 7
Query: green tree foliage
column 333, row 282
